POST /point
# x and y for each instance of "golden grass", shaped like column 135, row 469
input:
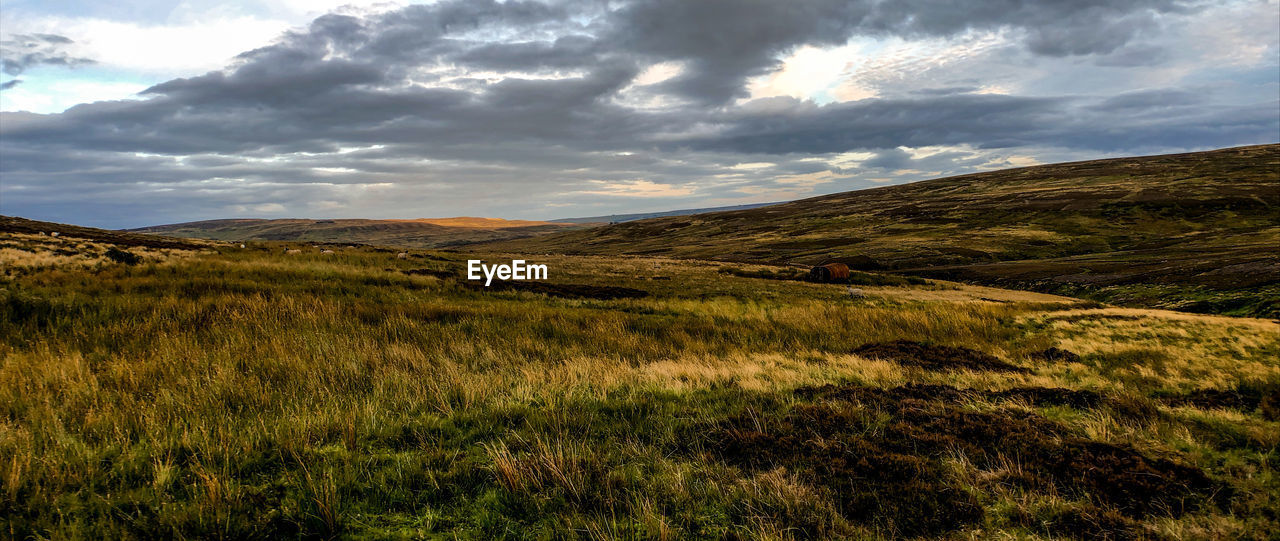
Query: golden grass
column 201, row 386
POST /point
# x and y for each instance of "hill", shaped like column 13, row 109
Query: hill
column 619, row 218
column 1195, row 231
column 420, row 233
column 16, row 225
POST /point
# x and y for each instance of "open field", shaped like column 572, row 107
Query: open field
column 420, row 233
column 1194, row 232
column 221, row 392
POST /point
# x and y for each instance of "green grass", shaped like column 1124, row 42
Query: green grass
column 251, row 394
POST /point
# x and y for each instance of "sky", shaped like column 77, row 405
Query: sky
column 133, row 113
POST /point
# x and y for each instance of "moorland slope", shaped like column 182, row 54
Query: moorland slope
column 420, row 233
column 1194, row 232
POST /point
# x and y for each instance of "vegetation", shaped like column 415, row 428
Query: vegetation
column 221, row 392
column 421, row 233
column 855, row 277
column 1194, row 232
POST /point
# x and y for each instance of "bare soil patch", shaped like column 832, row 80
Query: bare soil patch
column 881, row 453
column 1262, row 398
column 932, row 357
column 1056, row 355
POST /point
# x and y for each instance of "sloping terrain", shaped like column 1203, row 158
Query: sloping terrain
column 1194, row 231
column 422, row 233
column 13, row 224
column 619, row 218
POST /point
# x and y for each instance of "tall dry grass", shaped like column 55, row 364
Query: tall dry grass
column 253, row 394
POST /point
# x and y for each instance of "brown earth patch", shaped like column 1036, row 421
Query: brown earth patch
column 1056, row 355
column 1088, row 522
column 1032, row 396
column 882, row 454
column 1262, row 398
column 870, row 482
column 1051, row 396
column 931, row 357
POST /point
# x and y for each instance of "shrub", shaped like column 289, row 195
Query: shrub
column 121, row 256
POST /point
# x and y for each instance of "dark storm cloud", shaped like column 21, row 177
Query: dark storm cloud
column 893, row 158
column 463, row 101
column 795, row 126
column 1127, row 121
column 727, row 41
column 1147, row 100
column 23, row 51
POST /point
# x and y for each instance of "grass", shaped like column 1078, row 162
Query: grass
column 245, row 393
column 1192, row 232
column 420, row 233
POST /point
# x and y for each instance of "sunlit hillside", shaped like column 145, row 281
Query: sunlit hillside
column 1194, row 232
column 416, row 233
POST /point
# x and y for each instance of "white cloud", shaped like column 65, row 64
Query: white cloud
column 808, row 73
column 638, row 188
column 161, row 50
column 193, row 38
column 264, row 208
column 52, row 97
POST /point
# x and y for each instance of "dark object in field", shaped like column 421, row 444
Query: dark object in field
column 882, row 454
column 830, row 272
column 1055, row 355
column 859, row 262
column 930, row 357
column 1263, row 398
column 568, row 291
column 121, row 256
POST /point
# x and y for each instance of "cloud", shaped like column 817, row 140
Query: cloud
column 504, row 108
column 729, row 41
column 637, row 188
column 23, row 51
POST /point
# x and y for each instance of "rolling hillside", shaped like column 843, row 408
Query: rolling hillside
column 422, row 233
column 1195, row 232
column 619, row 218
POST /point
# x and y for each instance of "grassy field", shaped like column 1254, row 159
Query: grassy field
column 1194, row 232
column 219, row 392
column 419, row 233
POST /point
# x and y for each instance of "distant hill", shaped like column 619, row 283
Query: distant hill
column 420, row 233
column 619, row 218
column 13, row 224
column 1196, row 231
